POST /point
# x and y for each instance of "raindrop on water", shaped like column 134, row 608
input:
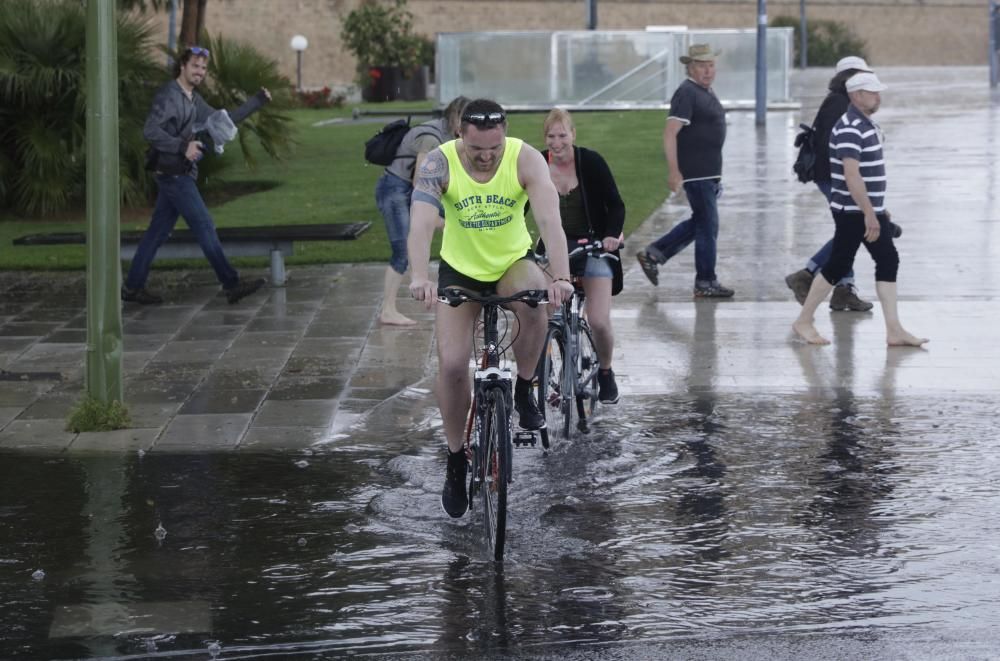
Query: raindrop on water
column 301, row 463
column 160, row 532
column 38, row 574
column 214, row 649
column 302, row 541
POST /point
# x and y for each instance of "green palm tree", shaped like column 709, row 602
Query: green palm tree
column 43, row 103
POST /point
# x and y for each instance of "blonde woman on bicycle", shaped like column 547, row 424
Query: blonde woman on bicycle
column 591, row 208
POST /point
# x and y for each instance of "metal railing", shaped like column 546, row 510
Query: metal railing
column 604, row 68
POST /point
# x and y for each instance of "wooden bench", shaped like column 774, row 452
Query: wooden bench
column 275, row 241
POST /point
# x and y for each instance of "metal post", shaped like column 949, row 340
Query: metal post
column 761, row 91
column 591, row 14
column 298, row 70
column 994, row 44
column 104, row 318
column 172, row 32
column 803, row 36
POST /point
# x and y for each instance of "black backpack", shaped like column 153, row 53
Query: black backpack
column 805, row 162
column 381, row 148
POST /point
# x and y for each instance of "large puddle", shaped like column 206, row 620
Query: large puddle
column 704, row 514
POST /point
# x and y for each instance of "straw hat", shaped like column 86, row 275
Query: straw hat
column 700, row 53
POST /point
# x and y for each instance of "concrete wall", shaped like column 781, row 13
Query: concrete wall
column 897, row 32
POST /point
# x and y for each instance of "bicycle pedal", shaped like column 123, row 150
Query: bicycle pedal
column 524, row 439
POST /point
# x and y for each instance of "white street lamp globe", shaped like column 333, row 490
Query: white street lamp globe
column 299, row 43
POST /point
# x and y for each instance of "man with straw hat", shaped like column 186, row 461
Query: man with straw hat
column 692, row 142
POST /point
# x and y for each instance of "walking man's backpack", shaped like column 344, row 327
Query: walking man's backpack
column 805, row 163
column 380, row 149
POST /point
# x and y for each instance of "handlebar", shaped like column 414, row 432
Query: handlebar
column 595, row 248
column 455, row 296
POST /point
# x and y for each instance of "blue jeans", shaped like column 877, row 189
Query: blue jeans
column 392, row 196
column 820, row 259
column 702, row 228
column 178, row 195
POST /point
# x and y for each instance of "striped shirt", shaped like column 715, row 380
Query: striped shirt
column 858, row 137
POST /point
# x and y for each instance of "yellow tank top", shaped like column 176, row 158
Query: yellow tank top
column 484, row 228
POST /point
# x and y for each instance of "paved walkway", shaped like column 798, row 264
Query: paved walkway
column 308, row 363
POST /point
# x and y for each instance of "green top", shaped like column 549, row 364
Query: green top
column 574, row 219
column 484, row 228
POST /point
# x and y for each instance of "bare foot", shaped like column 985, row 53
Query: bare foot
column 809, row 333
column 905, row 339
column 395, row 319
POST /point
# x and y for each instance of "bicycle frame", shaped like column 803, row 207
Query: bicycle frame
column 568, row 326
column 488, row 439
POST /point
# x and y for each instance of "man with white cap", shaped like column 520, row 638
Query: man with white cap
column 845, row 295
column 692, row 142
column 857, row 200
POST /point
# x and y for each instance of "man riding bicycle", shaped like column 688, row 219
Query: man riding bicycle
column 481, row 183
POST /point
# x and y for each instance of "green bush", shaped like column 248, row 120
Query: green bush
column 43, row 104
column 381, row 35
column 92, row 415
column 828, row 41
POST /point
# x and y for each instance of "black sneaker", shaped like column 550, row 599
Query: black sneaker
column 142, row 296
column 607, row 389
column 243, row 288
column 454, row 497
column 529, row 417
column 712, row 290
column 649, row 267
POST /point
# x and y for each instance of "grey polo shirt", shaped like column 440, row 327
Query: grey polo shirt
column 699, row 143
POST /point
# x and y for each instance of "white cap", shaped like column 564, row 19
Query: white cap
column 868, row 82
column 852, row 62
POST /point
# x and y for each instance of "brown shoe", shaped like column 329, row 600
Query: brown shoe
column 142, row 296
column 845, row 297
column 243, row 288
column 800, row 282
column 649, row 267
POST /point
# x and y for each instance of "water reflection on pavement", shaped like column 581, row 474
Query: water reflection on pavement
column 720, row 514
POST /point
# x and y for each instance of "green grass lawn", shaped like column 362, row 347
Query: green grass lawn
column 326, row 180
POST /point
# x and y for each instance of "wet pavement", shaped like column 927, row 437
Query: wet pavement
column 750, row 495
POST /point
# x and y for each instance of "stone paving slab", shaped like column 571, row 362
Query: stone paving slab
column 308, row 363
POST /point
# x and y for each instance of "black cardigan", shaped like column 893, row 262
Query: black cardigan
column 602, row 203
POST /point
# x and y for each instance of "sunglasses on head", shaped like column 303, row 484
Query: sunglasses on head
column 484, row 118
column 199, row 51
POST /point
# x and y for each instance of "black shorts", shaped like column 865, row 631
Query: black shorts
column 449, row 277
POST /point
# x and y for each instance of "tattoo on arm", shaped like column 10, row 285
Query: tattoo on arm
column 432, row 175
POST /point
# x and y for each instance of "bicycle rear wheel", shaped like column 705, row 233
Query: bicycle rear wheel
column 495, row 446
column 587, row 366
column 551, row 372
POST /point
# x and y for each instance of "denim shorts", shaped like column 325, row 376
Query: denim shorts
column 597, row 267
column 392, row 196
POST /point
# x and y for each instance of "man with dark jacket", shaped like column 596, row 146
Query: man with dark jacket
column 178, row 110
column 845, row 294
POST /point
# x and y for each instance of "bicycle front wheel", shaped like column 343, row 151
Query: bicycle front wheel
column 553, row 396
column 496, row 469
column 587, row 366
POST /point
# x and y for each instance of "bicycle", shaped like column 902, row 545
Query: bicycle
column 488, row 438
column 567, row 369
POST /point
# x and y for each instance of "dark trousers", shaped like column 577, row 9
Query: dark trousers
column 849, row 235
column 179, row 196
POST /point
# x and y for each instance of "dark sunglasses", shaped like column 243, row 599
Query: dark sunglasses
column 199, row 51
column 484, row 118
